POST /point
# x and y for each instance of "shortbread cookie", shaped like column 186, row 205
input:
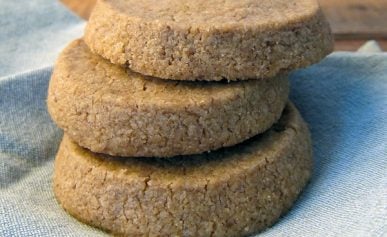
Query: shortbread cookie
column 209, row 40
column 108, row 110
column 234, row 191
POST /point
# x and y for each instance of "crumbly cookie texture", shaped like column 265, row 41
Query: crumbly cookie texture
column 209, row 40
column 235, row 191
column 109, row 110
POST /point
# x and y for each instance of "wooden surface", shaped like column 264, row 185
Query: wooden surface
column 80, row 7
column 353, row 21
column 360, row 19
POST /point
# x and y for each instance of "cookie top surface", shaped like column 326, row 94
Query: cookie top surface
column 287, row 132
column 216, row 13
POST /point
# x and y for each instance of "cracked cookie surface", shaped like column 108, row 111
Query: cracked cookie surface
column 110, row 110
column 234, row 191
column 209, row 40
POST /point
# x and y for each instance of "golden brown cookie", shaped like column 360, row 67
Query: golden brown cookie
column 209, row 40
column 234, row 191
column 108, row 110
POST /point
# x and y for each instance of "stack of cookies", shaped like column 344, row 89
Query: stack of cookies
column 176, row 115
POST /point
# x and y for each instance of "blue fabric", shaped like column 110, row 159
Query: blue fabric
column 33, row 33
column 343, row 98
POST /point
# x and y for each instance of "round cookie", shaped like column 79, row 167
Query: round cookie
column 109, row 110
column 209, row 40
column 234, row 191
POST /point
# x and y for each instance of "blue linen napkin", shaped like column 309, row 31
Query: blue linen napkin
column 32, row 33
column 343, row 98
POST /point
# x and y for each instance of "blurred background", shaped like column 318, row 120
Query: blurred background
column 353, row 21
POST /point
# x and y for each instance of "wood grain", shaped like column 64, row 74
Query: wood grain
column 357, row 19
column 353, row 21
column 353, row 45
column 82, row 8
